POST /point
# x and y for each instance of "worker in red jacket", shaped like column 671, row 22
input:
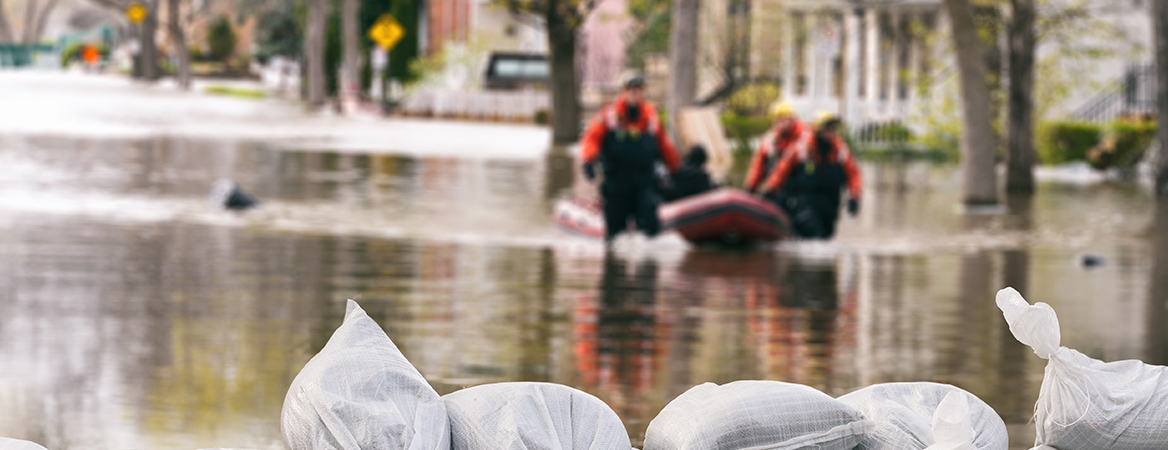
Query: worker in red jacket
column 807, row 183
column 787, row 134
column 626, row 137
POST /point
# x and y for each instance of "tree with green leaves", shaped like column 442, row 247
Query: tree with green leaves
column 650, row 30
column 221, row 40
column 562, row 20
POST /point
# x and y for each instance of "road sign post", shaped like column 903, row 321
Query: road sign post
column 386, row 32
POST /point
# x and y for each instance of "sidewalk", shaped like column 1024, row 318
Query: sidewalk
column 109, row 106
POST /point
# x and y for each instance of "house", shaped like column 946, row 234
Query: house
column 869, row 60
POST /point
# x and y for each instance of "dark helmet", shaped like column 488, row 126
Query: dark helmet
column 632, row 80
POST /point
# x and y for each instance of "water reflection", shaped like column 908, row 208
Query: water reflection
column 136, row 316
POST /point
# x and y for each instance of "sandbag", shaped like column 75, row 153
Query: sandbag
column 17, row 444
column 914, row 416
column 1084, row 403
column 755, row 414
column 522, row 415
column 360, row 392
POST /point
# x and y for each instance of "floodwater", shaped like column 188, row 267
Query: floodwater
column 136, row 316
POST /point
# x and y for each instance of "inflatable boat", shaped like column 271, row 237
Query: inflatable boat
column 580, row 216
column 728, row 216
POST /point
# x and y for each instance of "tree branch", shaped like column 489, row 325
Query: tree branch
column 39, row 31
column 111, row 4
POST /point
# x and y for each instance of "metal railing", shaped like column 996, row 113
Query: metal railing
column 1133, row 95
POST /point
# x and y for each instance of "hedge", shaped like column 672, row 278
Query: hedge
column 1065, row 141
column 1123, row 144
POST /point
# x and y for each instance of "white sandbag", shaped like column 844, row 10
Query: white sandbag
column 534, row 416
column 360, row 392
column 914, row 416
column 1087, row 404
column 17, row 444
column 755, row 414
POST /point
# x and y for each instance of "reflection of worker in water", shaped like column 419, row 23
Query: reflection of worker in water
column 794, row 315
column 807, row 183
column 627, row 138
column 618, row 356
column 787, row 134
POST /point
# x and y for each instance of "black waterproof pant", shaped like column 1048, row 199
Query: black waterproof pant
column 635, row 201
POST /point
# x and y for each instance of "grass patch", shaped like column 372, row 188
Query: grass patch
column 238, row 92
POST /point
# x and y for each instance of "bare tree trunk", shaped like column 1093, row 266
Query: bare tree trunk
column 1020, row 155
column 987, row 18
column 5, row 26
column 683, row 46
column 30, row 9
column 977, row 162
column 314, row 51
column 1157, row 335
column 1160, row 24
column 179, row 43
column 149, row 50
column 564, row 88
column 351, row 52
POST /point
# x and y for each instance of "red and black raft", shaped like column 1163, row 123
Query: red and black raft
column 727, row 216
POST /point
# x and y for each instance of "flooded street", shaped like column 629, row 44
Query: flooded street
column 137, row 316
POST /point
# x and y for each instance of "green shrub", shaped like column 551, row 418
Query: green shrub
column 221, row 40
column 742, row 129
column 1065, row 141
column 542, row 117
column 752, row 100
column 72, row 52
column 1123, row 144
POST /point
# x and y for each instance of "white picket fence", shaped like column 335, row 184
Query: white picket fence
column 480, row 105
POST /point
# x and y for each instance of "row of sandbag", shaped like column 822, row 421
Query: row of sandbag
column 360, row 392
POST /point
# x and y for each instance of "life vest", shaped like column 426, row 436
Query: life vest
column 774, row 143
column 822, row 173
column 629, row 150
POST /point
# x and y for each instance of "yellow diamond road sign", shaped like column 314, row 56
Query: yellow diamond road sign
column 386, row 32
column 136, row 12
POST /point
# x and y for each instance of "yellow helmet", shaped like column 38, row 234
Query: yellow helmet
column 780, row 110
column 826, row 118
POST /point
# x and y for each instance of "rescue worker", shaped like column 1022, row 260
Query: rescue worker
column 807, row 183
column 628, row 140
column 691, row 178
column 787, row 134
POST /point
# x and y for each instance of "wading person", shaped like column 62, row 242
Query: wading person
column 808, row 182
column 627, row 139
column 787, row 134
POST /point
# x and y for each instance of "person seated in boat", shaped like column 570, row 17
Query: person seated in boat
column 692, row 178
column 808, row 183
column 787, row 134
column 627, row 138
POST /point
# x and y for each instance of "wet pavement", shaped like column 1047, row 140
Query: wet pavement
column 137, row 316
